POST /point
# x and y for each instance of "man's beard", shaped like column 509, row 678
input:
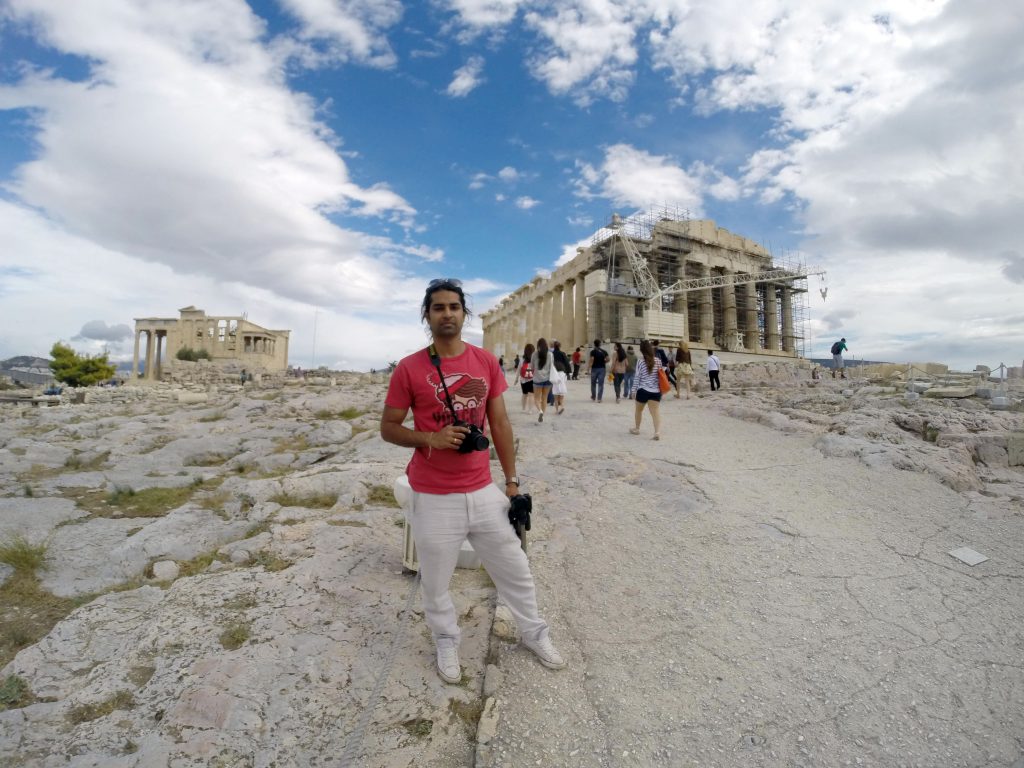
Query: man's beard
column 443, row 331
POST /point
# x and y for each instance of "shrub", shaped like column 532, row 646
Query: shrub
column 187, row 353
column 14, row 693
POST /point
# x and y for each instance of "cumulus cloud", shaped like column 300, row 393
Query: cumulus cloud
column 508, row 173
column 467, row 78
column 526, row 203
column 183, row 146
column 484, row 13
column 338, row 31
column 635, row 178
column 97, row 330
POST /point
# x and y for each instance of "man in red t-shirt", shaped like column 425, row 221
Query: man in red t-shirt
column 453, row 495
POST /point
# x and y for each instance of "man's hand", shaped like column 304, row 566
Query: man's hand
column 449, row 438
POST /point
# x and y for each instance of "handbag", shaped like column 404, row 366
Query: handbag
column 663, row 384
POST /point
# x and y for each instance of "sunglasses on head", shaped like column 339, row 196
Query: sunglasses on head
column 444, row 281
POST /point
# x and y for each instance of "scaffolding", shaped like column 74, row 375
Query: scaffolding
column 633, row 270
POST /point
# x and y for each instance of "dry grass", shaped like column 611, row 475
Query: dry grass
column 235, row 635
column 271, row 562
column 125, row 501
column 346, row 414
column 14, row 693
column 74, row 462
column 313, row 501
column 296, row 444
column 467, row 711
column 419, row 727
column 28, row 613
column 217, row 416
column 89, row 712
column 22, row 555
column 382, row 496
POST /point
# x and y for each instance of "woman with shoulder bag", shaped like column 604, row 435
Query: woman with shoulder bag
column 618, row 369
column 647, row 388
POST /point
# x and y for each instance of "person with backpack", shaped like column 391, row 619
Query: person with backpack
column 837, row 358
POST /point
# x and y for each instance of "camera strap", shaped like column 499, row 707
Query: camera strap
column 435, row 359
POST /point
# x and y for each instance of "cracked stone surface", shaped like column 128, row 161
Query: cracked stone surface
column 768, row 585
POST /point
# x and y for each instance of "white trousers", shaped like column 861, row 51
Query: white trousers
column 440, row 523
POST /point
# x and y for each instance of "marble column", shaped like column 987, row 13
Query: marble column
column 752, row 338
column 160, row 337
column 579, row 318
column 568, row 315
column 788, row 339
column 771, row 318
column 135, row 357
column 729, row 327
column 557, row 313
column 147, row 370
column 546, row 301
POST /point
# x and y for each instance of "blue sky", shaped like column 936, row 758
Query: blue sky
column 301, row 158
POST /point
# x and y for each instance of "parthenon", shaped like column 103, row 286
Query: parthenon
column 658, row 275
column 232, row 339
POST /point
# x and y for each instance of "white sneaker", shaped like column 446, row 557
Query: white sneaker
column 546, row 652
column 448, row 661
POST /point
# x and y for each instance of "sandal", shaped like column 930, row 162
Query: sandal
column 634, row 431
column 656, row 437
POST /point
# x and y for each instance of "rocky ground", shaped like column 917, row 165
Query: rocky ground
column 221, row 583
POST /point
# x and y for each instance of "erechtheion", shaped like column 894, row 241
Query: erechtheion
column 225, row 339
column 659, row 275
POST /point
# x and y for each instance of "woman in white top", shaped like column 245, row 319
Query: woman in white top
column 646, row 388
column 542, row 363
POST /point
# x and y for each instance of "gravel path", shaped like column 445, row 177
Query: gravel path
column 729, row 596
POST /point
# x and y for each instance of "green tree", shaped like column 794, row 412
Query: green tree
column 79, row 370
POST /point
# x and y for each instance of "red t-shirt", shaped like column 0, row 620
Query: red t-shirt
column 473, row 378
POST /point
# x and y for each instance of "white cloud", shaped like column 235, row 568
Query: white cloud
column 348, row 30
column 526, row 203
column 632, row 177
column 478, row 180
column 467, row 78
column 184, row 148
column 590, row 49
column 509, row 174
column 484, row 13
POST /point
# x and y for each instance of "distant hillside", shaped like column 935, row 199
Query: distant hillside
column 25, row 361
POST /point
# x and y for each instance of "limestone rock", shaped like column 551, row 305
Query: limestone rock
column 165, row 570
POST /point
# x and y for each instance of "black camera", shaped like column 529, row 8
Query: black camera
column 519, row 509
column 475, row 440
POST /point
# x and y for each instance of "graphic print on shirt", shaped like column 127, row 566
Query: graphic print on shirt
column 469, row 396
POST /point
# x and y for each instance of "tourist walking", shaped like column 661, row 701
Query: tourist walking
column 577, row 359
column 524, row 376
column 542, row 362
column 668, row 364
column 618, row 369
column 596, row 361
column 837, row 358
column 714, row 366
column 684, row 369
column 647, row 388
column 627, row 382
column 454, row 498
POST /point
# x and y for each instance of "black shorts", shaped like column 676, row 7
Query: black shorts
column 642, row 396
column 527, row 387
